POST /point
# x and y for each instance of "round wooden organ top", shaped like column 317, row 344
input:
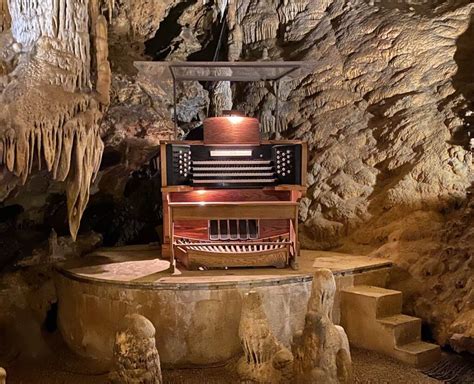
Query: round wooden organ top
column 232, row 129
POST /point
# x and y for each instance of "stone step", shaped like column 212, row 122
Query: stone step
column 419, row 353
column 405, row 329
column 375, row 301
column 372, row 320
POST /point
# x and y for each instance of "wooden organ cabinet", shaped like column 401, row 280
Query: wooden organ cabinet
column 231, row 200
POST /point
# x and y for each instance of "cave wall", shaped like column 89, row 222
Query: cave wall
column 386, row 114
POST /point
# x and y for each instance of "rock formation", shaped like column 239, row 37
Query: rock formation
column 462, row 330
column 136, row 360
column 387, row 113
column 4, row 16
column 62, row 248
column 321, row 351
column 265, row 359
column 55, row 63
column 3, row 376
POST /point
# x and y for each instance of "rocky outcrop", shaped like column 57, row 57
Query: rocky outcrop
column 385, row 114
column 435, row 257
column 136, row 360
column 62, row 248
column 462, row 330
column 321, row 349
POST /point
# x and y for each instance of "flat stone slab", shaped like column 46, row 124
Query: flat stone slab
column 344, row 263
column 141, row 265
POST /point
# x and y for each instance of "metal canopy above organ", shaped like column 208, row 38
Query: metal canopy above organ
column 167, row 75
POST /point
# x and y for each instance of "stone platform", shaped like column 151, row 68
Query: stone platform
column 196, row 313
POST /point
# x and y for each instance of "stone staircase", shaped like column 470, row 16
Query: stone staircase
column 372, row 319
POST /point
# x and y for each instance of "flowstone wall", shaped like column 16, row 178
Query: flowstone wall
column 386, row 113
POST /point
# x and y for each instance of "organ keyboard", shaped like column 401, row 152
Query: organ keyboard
column 214, row 167
column 232, row 204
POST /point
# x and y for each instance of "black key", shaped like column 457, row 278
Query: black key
column 243, row 231
column 213, row 230
column 233, row 229
column 253, row 229
column 223, row 229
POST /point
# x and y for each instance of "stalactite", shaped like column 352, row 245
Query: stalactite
column 290, row 9
column 259, row 30
column 259, row 21
column 104, row 75
column 49, row 117
column 65, row 21
column 111, row 6
column 69, row 143
column 5, row 19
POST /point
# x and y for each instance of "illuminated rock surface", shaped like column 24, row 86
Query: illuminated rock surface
column 386, row 114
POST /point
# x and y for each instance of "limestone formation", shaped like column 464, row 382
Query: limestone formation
column 136, row 360
column 62, row 248
column 4, row 16
column 321, row 350
column 3, row 376
column 462, row 330
column 265, row 359
column 56, row 66
column 387, row 113
column 387, row 126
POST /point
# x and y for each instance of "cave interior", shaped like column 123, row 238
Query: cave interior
column 360, row 268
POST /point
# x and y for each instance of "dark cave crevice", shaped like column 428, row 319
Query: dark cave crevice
column 463, row 82
column 216, row 47
column 160, row 46
column 50, row 323
column 10, row 213
column 132, row 219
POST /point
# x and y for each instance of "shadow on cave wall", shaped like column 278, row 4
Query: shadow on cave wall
column 463, row 82
column 135, row 218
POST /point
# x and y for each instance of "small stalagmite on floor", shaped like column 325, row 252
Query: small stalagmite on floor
column 136, row 359
column 321, row 350
column 3, row 376
column 265, row 359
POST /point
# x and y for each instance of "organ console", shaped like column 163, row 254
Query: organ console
column 231, row 200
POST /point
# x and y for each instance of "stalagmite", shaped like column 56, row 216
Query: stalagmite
column 265, row 359
column 220, row 98
column 3, row 376
column 136, row 359
column 321, row 350
column 220, row 95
